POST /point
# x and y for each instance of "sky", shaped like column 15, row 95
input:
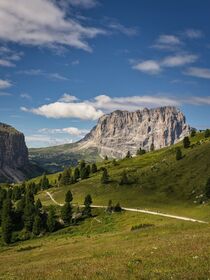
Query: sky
column 63, row 64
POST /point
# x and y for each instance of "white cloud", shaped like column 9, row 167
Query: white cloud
column 6, row 63
column 148, row 66
column 128, row 31
column 5, row 94
column 93, row 109
column 179, row 60
column 168, row 39
column 5, row 84
column 8, row 56
column 40, row 140
column 67, row 98
column 26, row 96
column 156, row 66
column 198, row 72
column 43, row 23
column 74, row 131
column 83, row 3
column 39, row 72
column 75, row 62
column 194, row 33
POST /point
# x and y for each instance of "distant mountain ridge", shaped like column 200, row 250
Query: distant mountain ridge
column 119, row 132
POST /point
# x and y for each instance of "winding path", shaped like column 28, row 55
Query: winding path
column 140, row 211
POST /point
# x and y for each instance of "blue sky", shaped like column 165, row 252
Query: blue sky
column 65, row 63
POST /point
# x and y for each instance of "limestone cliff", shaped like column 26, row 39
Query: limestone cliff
column 122, row 131
column 14, row 163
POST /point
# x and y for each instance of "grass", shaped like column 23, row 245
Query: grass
column 168, row 249
column 127, row 245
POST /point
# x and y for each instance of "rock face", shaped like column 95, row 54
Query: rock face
column 13, row 154
column 123, row 131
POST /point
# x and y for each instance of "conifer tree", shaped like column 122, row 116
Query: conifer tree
column 44, row 182
column 65, row 177
column 178, row 154
column 207, row 133
column 37, row 225
column 68, row 197
column 128, row 155
column 124, row 179
column 87, row 203
column 186, row 142
column 76, row 174
column 6, row 224
column 94, row 168
column 66, row 213
column 105, row 177
column 51, row 220
column 29, row 211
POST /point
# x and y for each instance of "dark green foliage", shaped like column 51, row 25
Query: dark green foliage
column 76, row 174
column 106, row 158
column 105, row 177
column 7, row 221
column 66, row 213
column 38, row 205
column 65, row 177
column 124, row 179
column 16, row 193
column 51, row 220
column 109, row 208
column 186, row 142
column 207, row 133
column 82, row 164
column 178, row 154
column 152, row 147
column 140, row 152
column 29, row 212
column 68, row 197
column 128, row 155
column 85, row 172
column 87, row 210
column 117, row 208
column 44, row 182
column 207, row 188
column 193, row 133
column 37, row 225
column 94, row 168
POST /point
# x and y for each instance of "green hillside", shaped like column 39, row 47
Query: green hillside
column 157, row 179
column 127, row 245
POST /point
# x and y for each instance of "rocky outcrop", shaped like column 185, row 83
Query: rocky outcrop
column 123, row 131
column 14, row 163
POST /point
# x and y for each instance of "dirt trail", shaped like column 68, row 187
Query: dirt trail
column 140, row 211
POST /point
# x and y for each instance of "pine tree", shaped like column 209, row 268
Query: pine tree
column 124, row 179
column 207, row 133
column 117, row 207
column 7, row 221
column 207, row 188
column 76, row 174
column 94, row 168
column 128, row 155
column 106, row 158
column 65, row 177
column 37, row 225
column 178, row 154
column 186, row 142
column 85, row 172
column 51, row 220
column 44, row 182
column 68, row 197
column 193, row 133
column 66, row 213
column 87, row 203
column 38, row 204
column 140, row 152
column 29, row 211
column 105, row 177
column 152, row 147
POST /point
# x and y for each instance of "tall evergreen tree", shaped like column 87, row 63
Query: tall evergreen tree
column 178, row 154
column 76, row 174
column 207, row 133
column 193, row 132
column 51, row 220
column 65, row 177
column 128, row 155
column 6, row 224
column 37, row 225
column 186, row 142
column 29, row 211
column 69, row 196
column 44, row 182
column 152, row 147
column 207, row 188
column 105, row 177
column 94, row 168
column 124, row 179
column 66, row 213
column 88, row 201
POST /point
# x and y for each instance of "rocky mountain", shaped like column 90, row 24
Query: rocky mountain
column 14, row 162
column 119, row 132
column 123, row 131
